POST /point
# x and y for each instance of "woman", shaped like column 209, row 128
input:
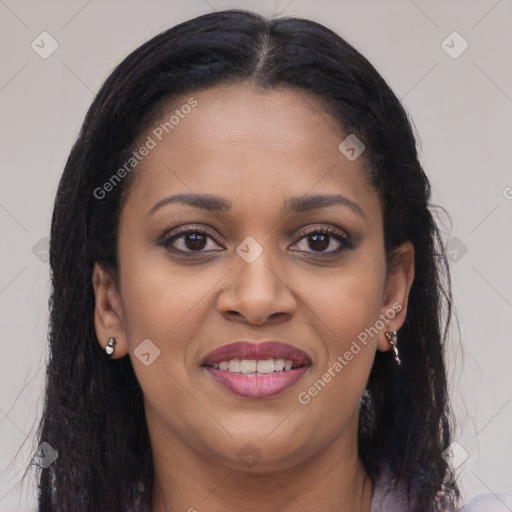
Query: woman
column 250, row 296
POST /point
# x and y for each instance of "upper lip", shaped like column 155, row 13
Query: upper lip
column 257, row 350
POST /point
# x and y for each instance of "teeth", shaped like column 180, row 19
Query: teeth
column 234, row 365
column 246, row 365
column 278, row 365
column 257, row 367
column 266, row 366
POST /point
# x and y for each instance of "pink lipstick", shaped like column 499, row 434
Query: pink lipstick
column 257, row 370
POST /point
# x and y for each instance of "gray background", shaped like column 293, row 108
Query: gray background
column 461, row 108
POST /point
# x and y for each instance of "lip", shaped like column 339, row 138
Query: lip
column 253, row 386
column 260, row 350
column 250, row 386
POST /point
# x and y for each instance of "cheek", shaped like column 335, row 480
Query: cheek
column 166, row 305
column 350, row 340
column 347, row 308
column 162, row 304
column 333, row 390
column 349, row 313
column 348, row 303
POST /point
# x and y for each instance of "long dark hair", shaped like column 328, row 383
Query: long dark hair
column 93, row 408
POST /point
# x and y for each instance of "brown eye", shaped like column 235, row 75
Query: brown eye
column 189, row 241
column 319, row 240
column 195, row 241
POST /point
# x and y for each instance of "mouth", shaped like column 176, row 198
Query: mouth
column 257, row 370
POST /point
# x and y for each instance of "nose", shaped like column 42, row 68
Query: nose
column 257, row 293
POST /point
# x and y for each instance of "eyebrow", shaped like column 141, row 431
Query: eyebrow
column 292, row 205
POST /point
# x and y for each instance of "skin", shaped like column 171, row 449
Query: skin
column 255, row 148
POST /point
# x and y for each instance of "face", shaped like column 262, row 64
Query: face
column 262, row 261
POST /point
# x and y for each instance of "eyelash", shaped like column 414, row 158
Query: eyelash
column 341, row 238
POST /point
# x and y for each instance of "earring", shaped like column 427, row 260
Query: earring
column 109, row 349
column 392, row 338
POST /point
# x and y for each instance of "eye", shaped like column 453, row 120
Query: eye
column 199, row 240
column 191, row 239
column 318, row 240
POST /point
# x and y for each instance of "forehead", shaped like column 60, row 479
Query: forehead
column 248, row 144
column 245, row 118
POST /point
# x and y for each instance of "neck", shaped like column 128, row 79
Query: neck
column 332, row 481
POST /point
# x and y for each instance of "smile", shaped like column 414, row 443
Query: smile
column 257, row 370
column 257, row 385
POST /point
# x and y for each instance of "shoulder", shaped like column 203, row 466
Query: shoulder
column 387, row 498
column 489, row 502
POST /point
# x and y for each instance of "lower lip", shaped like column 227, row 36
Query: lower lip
column 251, row 386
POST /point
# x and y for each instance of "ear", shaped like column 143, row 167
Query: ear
column 399, row 280
column 108, row 314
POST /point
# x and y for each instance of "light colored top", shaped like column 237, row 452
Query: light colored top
column 387, row 499
column 489, row 502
